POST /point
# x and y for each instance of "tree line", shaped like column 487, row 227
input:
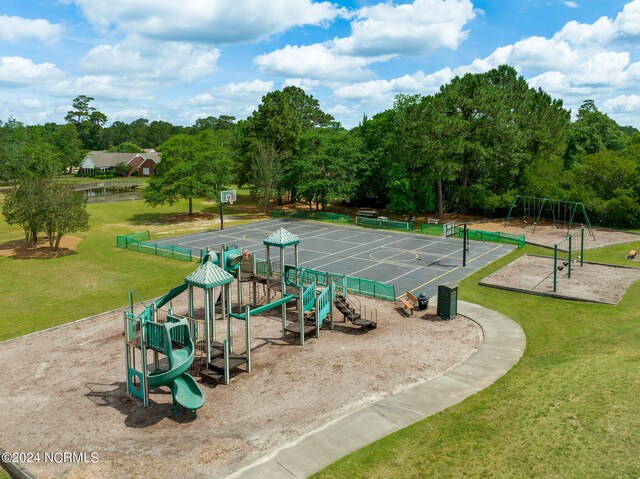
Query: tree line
column 470, row 147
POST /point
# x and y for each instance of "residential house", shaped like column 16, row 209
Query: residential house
column 144, row 163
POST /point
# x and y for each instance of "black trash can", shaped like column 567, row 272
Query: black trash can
column 423, row 301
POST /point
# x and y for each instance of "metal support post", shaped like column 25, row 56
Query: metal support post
column 226, row 352
column 247, row 331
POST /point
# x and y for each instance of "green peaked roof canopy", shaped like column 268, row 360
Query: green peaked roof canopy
column 208, row 276
column 281, row 239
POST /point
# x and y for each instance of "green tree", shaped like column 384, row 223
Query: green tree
column 24, row 206
column 325, row 167
column 126, row 147
column 121, row 169
column 591, row 132
column 25, row 153
column 223, row 122
column 193, row 166
column 265, row 172
column 64, row 212
column 280, row 120
column 87, row 120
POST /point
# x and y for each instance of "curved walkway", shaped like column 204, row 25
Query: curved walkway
column 502, row 346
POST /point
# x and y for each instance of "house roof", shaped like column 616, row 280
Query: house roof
column 208, row 276
column 102, row 159
column 281, row 238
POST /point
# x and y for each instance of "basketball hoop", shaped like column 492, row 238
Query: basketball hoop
column 226, row 197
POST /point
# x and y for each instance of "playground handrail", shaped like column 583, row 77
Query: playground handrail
column 309, row 297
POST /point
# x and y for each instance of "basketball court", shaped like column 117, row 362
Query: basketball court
column 411, row 262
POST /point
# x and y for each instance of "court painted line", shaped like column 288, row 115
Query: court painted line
column 454, row 269
column 360, row 252
column 212, row 233
column 411, row 266
column 320, row 236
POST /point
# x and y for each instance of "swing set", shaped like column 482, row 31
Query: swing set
column 563, row 213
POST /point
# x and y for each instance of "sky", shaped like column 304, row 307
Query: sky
column 178, row 61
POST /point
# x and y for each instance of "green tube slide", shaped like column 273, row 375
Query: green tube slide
column 184, row 389
column 170, row 295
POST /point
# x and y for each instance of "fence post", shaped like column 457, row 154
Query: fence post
column 570, row 247
column 582, row 246
column 555, row 269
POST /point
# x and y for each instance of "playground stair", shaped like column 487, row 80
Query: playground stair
column 350, row 313
column 214, row 371
column 309, row 327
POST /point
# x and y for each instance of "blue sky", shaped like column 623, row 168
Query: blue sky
column 182, row 60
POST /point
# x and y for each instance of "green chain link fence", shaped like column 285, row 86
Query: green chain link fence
column 431, row 230
column 385, row 224
column 312, row 215
column 137, row 242
column 493, row 237
column 364, row 287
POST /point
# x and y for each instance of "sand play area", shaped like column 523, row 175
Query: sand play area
column 548, row 235
column 64, row 390
column 593, row 282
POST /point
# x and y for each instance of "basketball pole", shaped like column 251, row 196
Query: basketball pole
column 465, row 240
column 221, row 216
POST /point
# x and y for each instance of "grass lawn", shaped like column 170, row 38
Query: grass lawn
column 569, row 408
column 40, row 293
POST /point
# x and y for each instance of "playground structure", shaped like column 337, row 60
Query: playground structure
column 190, row 344
column 562, row 213
column 565, row 252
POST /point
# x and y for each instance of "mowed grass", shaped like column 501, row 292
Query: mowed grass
column 569, row 409
column 40, row 293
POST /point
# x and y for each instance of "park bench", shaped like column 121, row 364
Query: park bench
column 367, row 213
column 410, row 303
column 632, row 254
column 432, row 221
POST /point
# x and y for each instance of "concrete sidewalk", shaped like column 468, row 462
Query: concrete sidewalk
column 502, row 346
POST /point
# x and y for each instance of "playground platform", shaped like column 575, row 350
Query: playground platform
column 410, row 262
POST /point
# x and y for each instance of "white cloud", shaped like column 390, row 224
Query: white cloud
column 604, row 69
column 533, row 53
column 212, row 21
column 139, row 57
column 571, row 4
column 604, row 31
column 315, row 61
column 307, row 84
column 417, row 28
column 129, row 114
column 18, row 29
column 378, row 33
column 103, row 87
column 18, row 71
column 235, row 99
column 623, row 103
column 233, row 93
column 382, row 92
